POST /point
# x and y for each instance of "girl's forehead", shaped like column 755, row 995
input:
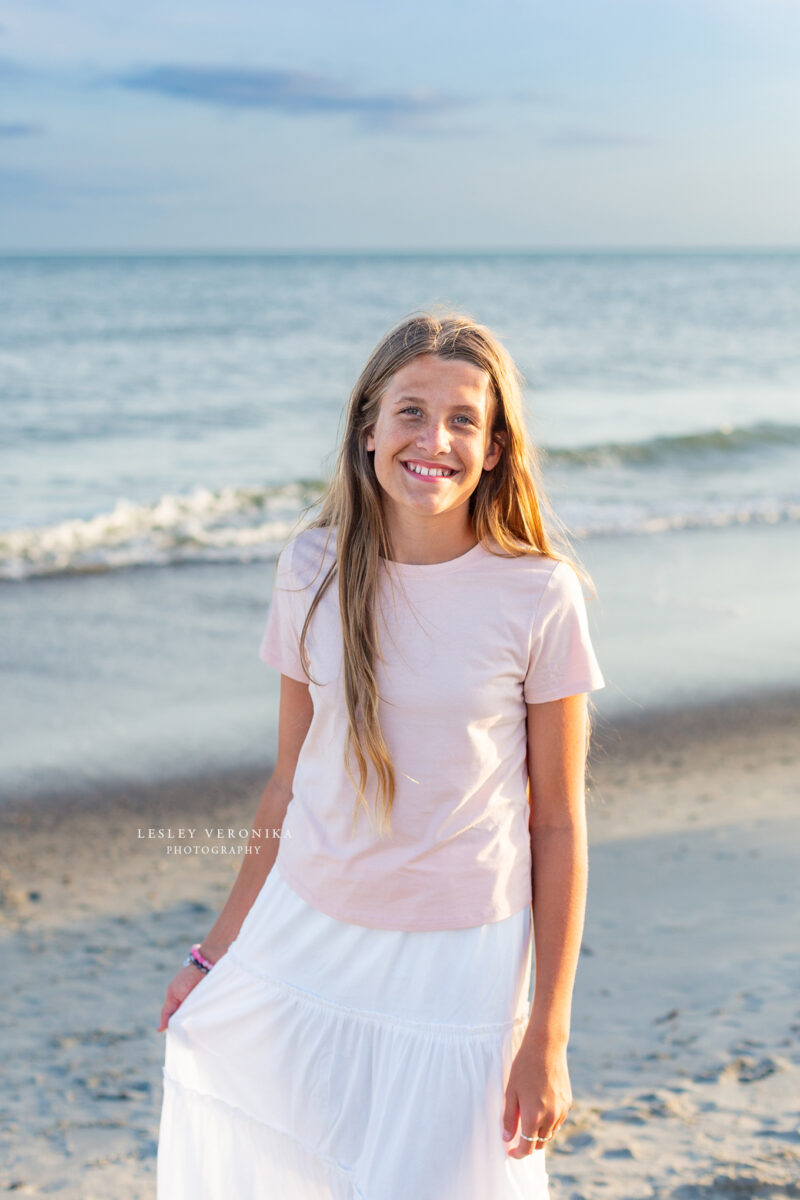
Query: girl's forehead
column 431, row 375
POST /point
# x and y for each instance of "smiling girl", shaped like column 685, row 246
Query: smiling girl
column 357, row 1025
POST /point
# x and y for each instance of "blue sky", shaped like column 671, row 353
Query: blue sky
column 576, row 123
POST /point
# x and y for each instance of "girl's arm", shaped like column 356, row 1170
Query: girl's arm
column 539, row 1093
column 296, row 710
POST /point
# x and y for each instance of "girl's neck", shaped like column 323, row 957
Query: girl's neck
column 437, row 540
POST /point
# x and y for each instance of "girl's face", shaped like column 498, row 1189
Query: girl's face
column 434, row 417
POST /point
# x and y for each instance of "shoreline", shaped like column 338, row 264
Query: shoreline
column 630, row 737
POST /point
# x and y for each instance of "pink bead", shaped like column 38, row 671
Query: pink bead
column 200, row 958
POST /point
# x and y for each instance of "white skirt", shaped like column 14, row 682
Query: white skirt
column 320, row 1060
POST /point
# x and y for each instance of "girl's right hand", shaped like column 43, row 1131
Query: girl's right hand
column 184, row 982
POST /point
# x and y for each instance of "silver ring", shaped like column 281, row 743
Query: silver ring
column 549, row 1137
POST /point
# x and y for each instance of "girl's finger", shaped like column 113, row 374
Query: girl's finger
column 166, row 1012
column 529, row 1128
column 523, row 1146
column 510, row 1116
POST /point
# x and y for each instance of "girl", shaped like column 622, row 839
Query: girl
column 357, row 1025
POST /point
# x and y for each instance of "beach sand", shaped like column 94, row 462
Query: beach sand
column 685, row 1052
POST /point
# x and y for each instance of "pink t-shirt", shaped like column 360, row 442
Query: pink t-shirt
column 466, row 644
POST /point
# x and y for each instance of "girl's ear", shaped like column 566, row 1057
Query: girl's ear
column 369, row 439
column 495, row 449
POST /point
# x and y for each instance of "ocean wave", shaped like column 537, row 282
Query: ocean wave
column 717, row 516
column 234, row 524
column 241, row 525
column 667, row 448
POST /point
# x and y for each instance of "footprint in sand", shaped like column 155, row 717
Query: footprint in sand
column 749, row 1071
column 626, row 1113
column 618, row 1152
column 674, row 1105
column 743, row 1069
column 582, row 1140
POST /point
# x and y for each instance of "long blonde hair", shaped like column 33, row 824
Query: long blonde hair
column 506, row 507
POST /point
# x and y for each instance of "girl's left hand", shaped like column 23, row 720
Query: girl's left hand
column 538, row 1096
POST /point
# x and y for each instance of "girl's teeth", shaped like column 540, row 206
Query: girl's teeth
column 426, row 470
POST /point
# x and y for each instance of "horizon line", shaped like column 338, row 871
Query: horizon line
column 378, row 251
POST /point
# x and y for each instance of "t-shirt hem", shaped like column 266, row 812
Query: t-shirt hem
column 285, row 669
column 573, row 688
column 358, row 917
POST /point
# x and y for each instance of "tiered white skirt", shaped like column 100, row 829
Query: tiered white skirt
column 320, row 1060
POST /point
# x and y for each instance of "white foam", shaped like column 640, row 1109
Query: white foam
column 234, row 524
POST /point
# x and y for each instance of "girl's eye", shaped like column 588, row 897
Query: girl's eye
column 414, row 408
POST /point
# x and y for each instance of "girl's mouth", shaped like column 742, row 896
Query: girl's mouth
column 427, row 474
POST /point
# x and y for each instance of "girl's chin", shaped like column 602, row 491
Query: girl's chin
column 416, row 500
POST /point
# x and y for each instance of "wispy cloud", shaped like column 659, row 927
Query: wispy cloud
column 19, row 129
column 577, row 137
column 295, row 93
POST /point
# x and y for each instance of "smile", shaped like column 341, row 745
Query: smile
column 428, row 472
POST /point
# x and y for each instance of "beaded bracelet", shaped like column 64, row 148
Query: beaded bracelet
column 198, row 959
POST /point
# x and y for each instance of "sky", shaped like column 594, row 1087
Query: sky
column 446, row 125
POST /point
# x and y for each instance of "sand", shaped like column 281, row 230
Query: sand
column 685, row 1052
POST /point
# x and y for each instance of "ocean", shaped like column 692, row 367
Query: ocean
column 165, row 419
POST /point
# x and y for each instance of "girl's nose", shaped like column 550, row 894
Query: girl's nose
column 434, row 437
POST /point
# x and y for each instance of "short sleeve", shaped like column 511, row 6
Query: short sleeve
column 562, row 661
column 280, row 644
